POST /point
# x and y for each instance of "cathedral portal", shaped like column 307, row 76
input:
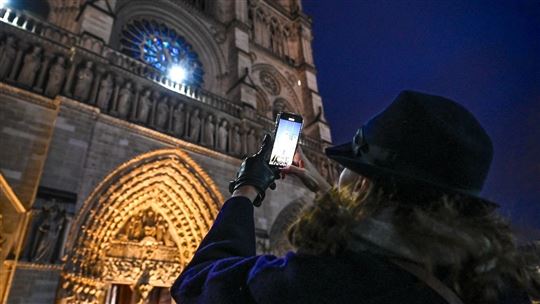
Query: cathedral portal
column 137, row 230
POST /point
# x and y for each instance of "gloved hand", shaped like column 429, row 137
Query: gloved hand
column 255, row 171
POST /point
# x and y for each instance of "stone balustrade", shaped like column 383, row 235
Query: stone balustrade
column 45, row 59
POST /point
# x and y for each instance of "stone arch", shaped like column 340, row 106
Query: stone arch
column 116, row 239
column 279, row 243
column 185, row 24
column 286, row 90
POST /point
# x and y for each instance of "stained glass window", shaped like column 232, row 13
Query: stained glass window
column 161, row 47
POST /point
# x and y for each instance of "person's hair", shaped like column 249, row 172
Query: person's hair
column 472, row 238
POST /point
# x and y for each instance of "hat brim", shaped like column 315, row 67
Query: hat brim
column 344, row 155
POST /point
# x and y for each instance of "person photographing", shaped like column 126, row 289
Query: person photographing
column 405, row 224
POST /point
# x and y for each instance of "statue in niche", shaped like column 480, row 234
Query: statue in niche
column 31, row 64
column 105, row 93
column 179, row 119
column 162, row 113
column 223, row 136
column 209, row 131
column 236, row 141
column 8, row 52
column 84, row 82
column 57, row 74
column 124, row 98
column 52, row 220
column 194, row 125
column 145, row 104
column 251, row 142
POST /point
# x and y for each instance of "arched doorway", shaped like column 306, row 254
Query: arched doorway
column 138, row 229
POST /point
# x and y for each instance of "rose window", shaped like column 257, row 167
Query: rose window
column 161, row 47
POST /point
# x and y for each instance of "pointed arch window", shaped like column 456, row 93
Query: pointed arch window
column 160, row 46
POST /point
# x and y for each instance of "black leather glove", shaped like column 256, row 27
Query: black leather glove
column 255, row 171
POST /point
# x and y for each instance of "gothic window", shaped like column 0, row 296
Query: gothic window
column 158, row 45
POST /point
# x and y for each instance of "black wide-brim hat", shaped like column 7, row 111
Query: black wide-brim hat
column 422, row 140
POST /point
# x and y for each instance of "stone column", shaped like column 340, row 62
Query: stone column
column 43, row 71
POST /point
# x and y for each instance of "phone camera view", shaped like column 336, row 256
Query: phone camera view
column 285, row 143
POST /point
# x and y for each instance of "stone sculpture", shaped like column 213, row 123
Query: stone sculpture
column 209, row 131
column 236, row 141
column 223, row 136
column 105, row 93
column 251, row 142
column 194, row 126
column 162, row 113
column 47, row 234
column 145, row 104
column 84, row 82
column 57, row 74
column 179, row 119
column 8, row 52
column 124, row 100
column 31, row 64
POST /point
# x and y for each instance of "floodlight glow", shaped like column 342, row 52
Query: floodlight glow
column 176, row 73
column 3, row 3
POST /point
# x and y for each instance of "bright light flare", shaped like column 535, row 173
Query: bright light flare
column 3, row 3
column 176, row 73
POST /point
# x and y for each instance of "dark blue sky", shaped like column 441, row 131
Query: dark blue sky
column 483, row 54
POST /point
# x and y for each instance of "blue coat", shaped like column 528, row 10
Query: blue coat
column 225, row 269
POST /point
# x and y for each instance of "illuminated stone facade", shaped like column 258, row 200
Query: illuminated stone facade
column 112, row 169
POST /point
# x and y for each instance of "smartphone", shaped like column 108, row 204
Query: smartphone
column 287, row 133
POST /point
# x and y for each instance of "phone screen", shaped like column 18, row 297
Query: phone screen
column 286, row 139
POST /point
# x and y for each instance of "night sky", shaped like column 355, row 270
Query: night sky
column 482, row 54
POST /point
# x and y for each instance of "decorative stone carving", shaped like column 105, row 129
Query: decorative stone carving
column 31, row 64
column 145, row 104
column 209, row 131
column 52, row 220
column 223, row 136
column 162, row 113
column 57, row 75
column 236, row 140
column 269, row 82
column 8, row 52
column 195, row 125
column 124, row 100
column 84, row 82
column 105, row 93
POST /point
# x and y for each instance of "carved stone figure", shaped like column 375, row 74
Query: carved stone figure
column 31, row 64
column 84, row 82
column 105, row 93
column 179, row 119
column 124, row 100
column 251, row 142
column 209, row 131
column 162, row 113
column 223, row 136
column 145, row 104
column 8, row 52
column 57, row 74
column 47, row 234
column 194, row 126
column 236, row 141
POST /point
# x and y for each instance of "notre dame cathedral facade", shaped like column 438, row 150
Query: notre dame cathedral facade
column 121, row 124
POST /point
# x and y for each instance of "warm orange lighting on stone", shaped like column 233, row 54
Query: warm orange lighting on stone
column 144, row 220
